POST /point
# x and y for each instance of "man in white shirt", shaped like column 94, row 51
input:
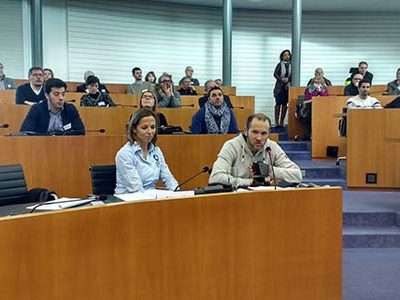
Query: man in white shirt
column 363, row 100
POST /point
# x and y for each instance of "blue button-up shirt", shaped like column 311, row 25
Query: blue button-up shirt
column 137, row 174
column 55, row 123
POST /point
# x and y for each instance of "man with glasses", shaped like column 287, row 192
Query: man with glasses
column 167, row 96
column 352, row 89
column 31, row 92
column 189, row 73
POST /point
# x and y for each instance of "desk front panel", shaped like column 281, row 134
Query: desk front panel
column 244, row 246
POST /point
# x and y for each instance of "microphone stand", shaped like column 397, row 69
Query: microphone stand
column 272, row 167
column 204, row 170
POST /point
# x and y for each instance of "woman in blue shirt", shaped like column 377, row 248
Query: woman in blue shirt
column 140, row 163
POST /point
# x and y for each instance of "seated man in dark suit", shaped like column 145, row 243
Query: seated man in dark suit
column 210, row 84
column 31, row 92
column 54, row 115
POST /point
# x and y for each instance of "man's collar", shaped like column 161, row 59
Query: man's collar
column 49, row 108
column 34, row 88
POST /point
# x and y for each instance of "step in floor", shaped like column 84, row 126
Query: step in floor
column 371, row 237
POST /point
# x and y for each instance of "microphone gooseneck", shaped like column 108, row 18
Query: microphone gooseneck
column 272, row 166
column 5, row 125
column 204, row 170
column 126, row 105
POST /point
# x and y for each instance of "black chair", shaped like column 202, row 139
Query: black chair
column 103, row 178
column 13, row 188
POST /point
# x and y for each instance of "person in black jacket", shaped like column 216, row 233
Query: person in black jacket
column 31, row 92
column 54, row 115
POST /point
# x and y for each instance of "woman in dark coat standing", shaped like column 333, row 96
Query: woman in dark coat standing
column 283, row 76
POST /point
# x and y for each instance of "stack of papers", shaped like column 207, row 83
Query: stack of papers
column 60, row 203
column 153, row 194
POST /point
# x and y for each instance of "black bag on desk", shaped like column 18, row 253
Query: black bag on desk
column 40, row 195
column 169, row 130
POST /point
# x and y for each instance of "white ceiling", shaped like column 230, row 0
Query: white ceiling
column 308, row 5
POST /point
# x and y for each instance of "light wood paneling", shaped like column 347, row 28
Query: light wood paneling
column 373, row 144
column 228, row 246
column 325, row 125
column 113, row 120
column 61, row 163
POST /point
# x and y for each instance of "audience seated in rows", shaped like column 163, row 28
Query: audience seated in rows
column 362, row 69
column 82, row 88
column 47, row 74
column 148, row 100
column 210, row 84
column 6, row 82
column 53, row 115
column 31, row 92
column 393, row 87
column 363, row 100
column 319, row 72
column 215, row 117
column 95, row 97
column 139, row 85
column 187, row 89
column 352, row 89
column 189, row 73
column 166, row 94
column 151, row 77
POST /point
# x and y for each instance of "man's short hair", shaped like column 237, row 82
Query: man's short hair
column 188, row 67
column 54, row 83
column 258, row 116
column 136, row 69
column 213, row 89
column 92, row 80
column 364, row 81
column 34, row 69
column 363, row 63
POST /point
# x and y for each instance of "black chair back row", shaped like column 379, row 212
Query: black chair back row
column 13, row 188
column 103, row 179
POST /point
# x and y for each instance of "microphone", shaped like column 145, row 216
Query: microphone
column 238, row 107
column 272, row 166
column 125, row 105
column 101, row 130
column 204, row 170
column 4, row 125
column 187, row 105
column 72, row 100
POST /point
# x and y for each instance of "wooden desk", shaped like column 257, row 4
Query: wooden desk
column 61, row 163
column 239, row 246
column 295, row 127
column 113, row 119
column 121, row 88
column 246, row 102
column 325, row 125
column 373, row 143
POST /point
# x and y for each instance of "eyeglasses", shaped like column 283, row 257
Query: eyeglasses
column 357, row 79
column 166, row 81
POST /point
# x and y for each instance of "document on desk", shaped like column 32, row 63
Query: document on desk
column 154, row 194
column 60, row 203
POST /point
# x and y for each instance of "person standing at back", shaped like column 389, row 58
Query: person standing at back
column 283, row 76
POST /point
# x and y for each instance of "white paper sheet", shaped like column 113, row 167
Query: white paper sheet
column 153, row 194
column 60, row 203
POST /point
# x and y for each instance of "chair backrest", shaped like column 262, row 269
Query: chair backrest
column 13, row 188
column 103, row 179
